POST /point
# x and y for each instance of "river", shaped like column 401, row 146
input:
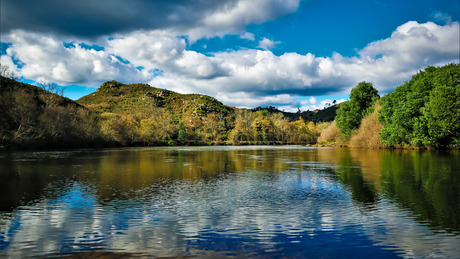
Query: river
column 230, row 201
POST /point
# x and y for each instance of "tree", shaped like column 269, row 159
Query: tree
column 442, row 114
column 280, row 124
column 350, row 114
column 23, row 113
column 5, row 71
column 423, row 111
column 211, row 126
column 243, row 127
column 52, row 94
column 182, row 133
column 365, row 95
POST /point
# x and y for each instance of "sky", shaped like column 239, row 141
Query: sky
column 291, row 54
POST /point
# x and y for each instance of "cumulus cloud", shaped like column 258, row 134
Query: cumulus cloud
column 7, row 61
column 386, row 63
column 267, row 43
column 151, row 49
column 248, row 36
column 45, row 58
column 88, row 18
column 246, row 77
column 233, row 17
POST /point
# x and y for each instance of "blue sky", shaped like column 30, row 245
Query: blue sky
column 290, row 54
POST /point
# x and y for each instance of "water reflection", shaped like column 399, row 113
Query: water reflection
column 427, row 185
column 231, row 201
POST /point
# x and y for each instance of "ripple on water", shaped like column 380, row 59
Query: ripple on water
column 295, row 208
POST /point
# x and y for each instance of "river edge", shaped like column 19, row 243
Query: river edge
column 4, row 149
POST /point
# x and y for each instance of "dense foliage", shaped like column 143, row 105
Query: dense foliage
column 324, row 115
column 350, row 114
column 32, row 117
column 136, row 114
column 424, row 111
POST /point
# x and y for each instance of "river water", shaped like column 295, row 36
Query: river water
column 252, row 201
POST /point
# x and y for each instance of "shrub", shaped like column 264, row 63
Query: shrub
column 367, row 135
column 331, row 134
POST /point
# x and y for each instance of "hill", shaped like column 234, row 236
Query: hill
column 35, row 118
column 325, row 115
column 138, row 114
column 123, row 99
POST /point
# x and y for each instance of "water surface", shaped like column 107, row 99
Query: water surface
column 230, row 201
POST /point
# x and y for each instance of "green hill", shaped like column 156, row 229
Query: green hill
column 124, row 99
column 138, row 114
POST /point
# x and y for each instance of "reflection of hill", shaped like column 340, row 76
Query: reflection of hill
column 426, row 183
column 131, row 198
column 23, row 180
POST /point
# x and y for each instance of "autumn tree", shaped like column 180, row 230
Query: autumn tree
column 243, row 127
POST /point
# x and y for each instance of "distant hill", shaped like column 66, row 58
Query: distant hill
column 325, row 115
column 115, row 97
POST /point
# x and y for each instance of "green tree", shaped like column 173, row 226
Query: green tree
column 350, row 114
column 182, row 133
column 442, row 114
column 424, row 111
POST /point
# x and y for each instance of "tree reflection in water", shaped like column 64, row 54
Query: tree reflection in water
column 239, row 200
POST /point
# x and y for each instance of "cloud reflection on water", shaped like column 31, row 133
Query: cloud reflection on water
column 128, row 201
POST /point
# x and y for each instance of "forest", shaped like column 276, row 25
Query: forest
column 137, row 115
column 423, row 112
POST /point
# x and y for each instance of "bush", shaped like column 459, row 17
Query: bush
column 331, row 134
column 367, row 135
column 350, row 114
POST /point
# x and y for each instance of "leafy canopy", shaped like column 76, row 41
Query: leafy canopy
column 350, row 114
column 424, row 111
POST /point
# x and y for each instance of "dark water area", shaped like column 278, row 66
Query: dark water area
column 270, row 201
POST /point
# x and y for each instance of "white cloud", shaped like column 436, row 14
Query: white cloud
column 6, row 60
column 151, row 50
column 386, row 63
column 323, row 104
column 267, row 44
column 304, row 102
column 233, row 17
column 197, row 19
column 46, row 59
column 197, row 65
column 249, row 77
column 248, row 36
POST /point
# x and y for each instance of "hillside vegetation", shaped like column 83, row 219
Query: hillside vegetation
column 137, row 114
column 35, row 118
column 422, row 113
column 425, row 111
